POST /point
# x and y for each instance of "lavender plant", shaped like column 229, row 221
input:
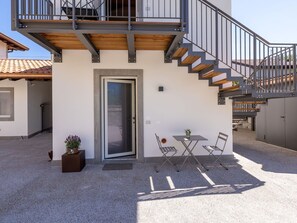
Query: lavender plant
column 72, row 142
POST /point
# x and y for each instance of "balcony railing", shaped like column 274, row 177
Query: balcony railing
column 100, row 10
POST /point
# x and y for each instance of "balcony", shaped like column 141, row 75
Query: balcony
column 102, row 25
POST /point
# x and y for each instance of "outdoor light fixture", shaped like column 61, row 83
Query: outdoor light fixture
column 160, row 88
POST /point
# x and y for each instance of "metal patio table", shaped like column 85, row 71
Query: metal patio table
column 190, row 143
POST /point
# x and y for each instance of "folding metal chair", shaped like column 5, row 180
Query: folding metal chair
column 217, row 148
column 165, row 150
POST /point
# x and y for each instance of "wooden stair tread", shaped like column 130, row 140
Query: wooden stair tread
column 211, row 74
column 189, row 60
column 179, row 53
column 246, row 109
column 231, row 88
column 219, row 82
column 250, row 102
column 201, row 67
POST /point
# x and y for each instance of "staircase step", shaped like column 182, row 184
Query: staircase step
column 179, row 53
column 211, row 74
column 231, row 88
column 249, row 102
column 219, row 82
column 189, row 60
column 201, row 67
column 246, row 109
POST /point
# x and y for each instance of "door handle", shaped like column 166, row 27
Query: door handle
column 283, row 116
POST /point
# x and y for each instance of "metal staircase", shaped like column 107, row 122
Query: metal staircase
column 195, row 32
column 246, row 107
column 231, row 56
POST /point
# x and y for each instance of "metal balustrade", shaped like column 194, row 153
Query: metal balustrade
column 102, row 10
column 261, row 63
column 276, row 74
column 267, row 68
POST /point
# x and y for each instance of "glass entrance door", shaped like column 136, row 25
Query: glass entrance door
column 119, row 118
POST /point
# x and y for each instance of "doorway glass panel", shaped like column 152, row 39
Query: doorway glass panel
column 120, row 118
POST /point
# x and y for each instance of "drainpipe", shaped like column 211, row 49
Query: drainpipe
column 42, row 106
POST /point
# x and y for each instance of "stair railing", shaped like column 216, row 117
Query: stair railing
column 276, row 73
column 238, row 47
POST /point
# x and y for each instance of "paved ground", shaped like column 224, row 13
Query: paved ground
column 261, row 186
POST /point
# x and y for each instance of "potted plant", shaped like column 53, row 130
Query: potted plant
column 188, row 133
column 72, row 144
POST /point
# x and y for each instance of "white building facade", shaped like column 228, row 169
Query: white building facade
column 80, row 107
column 122, row 72
column 186, row 102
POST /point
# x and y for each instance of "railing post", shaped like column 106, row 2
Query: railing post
column 295, row 67
column 36, row 12
column 255, row 60
column 217, row 35
column 184, row 15
column 73, row 15
column 129, row 15
column 14, row 14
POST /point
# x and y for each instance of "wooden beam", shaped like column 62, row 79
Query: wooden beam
column 26, row 76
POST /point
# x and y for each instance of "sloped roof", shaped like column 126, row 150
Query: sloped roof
column 28, row 69
column 12, row 44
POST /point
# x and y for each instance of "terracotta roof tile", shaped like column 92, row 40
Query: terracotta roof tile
column 17, row 68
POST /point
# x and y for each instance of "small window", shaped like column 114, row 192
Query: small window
column 6, row 104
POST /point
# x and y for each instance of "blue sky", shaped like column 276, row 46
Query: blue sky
column 5, row 27
column 274, row 20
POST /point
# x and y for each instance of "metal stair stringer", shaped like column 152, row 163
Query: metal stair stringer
column 207, row 69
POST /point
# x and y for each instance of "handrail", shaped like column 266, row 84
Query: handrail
column 232, row 43
column 242, row 25
column 262, row 63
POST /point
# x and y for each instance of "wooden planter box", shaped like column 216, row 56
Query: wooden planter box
column 73, row 162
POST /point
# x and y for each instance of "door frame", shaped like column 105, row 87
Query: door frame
column 99, row 74
column 104, row 107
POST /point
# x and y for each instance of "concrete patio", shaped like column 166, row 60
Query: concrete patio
column 260, row 186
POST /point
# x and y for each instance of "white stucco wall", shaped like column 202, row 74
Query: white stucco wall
column 18, row 127
column 38, row 92
column 3, row 50
column 186, row 102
